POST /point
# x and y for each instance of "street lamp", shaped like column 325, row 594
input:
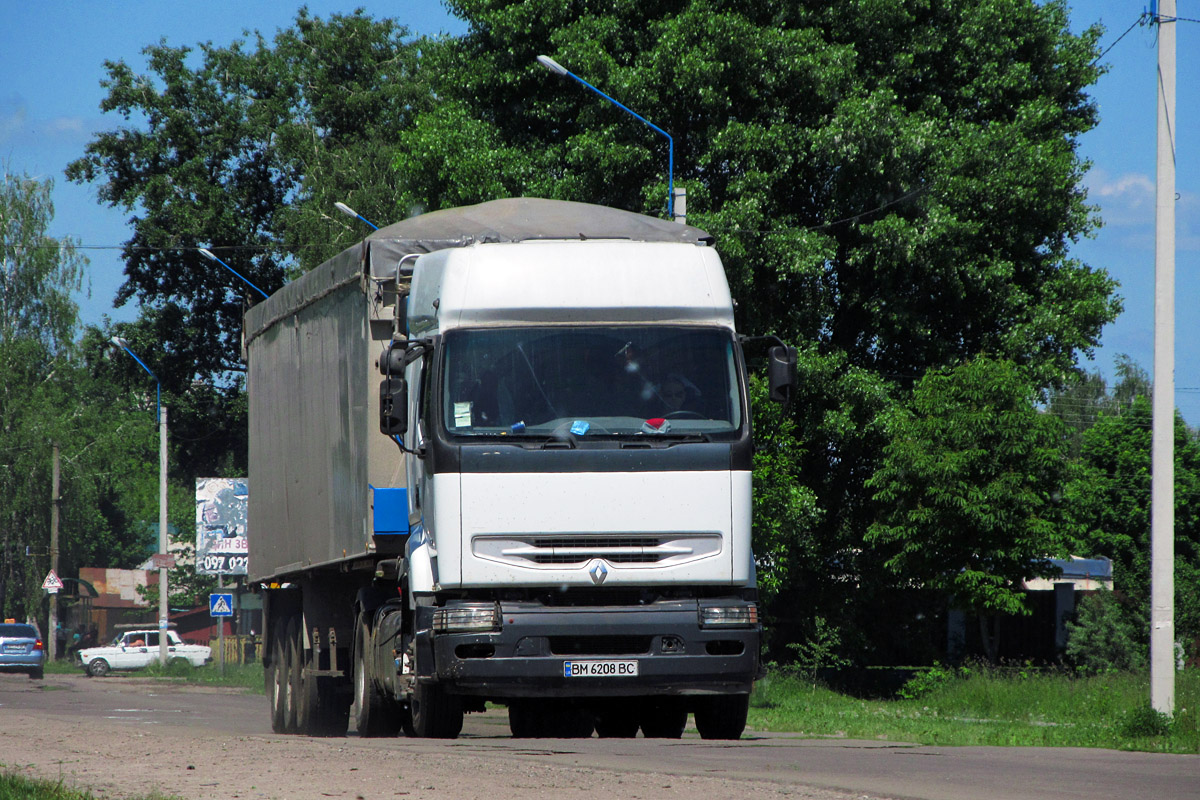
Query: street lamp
column 350, row 212
column 558, row 69
column 209, row 255
column 162, row 501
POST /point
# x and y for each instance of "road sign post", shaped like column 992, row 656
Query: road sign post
column 220, row 606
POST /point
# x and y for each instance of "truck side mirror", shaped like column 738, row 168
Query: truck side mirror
column 781, row 374
column 391, row 361
column 393, row 405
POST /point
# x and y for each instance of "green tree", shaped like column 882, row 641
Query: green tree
column 970, row 487
column 49, row 397
column 38, row 274
column 242, row 150
column 1110, row 500
column 844, row 155
column 785, row 510
column 1101, row 637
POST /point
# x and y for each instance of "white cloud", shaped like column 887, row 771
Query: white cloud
column 1124, row 200
column 1127, row 202
column 68, row 126
column 13, row 116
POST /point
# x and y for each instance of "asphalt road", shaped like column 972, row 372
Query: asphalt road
column 791, row 766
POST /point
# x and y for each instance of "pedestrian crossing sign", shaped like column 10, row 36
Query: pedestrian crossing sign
column 220, row 605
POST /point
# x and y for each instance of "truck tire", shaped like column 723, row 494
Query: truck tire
column 568, row 721
column 538, row 719
column 525, row 719
column 335, row 705
column 307, row 713
column 328, row 709
column 373, row 715
column 617, row 720
column 722, row 717
column 292, row 670
column 277, row 684
column 435, row 713
column 663, row 718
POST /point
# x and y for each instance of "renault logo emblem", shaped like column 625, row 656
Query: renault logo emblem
column 598, row 572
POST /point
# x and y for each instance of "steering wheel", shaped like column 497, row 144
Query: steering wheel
column 684, row 414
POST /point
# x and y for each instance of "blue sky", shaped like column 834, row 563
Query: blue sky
column 52, row 54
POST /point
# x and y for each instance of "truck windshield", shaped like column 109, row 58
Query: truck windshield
column 591, row 381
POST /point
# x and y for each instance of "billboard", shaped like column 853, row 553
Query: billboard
column 221, row 526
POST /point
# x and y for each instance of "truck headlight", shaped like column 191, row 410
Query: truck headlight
column 742, row 616
column 469, row 617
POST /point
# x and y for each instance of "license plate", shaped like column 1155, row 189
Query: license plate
column 600, row 669
column 14, row 648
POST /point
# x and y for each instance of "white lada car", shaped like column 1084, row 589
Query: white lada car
column 137, row 649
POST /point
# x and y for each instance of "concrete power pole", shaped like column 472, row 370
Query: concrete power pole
column 1162, row 496
column 52, row 634
column 163, row 545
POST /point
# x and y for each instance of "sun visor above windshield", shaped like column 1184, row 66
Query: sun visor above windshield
column 517, row 219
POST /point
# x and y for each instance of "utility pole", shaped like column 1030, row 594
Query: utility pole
column 163, row 621
column 161, row 410
column 221, row 623
column 1162, row 493
column 52, row 634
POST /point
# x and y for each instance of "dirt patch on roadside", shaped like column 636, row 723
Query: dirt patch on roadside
column 142, row 737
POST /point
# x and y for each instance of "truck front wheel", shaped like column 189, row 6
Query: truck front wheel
column 722, row 717
column 435, row 713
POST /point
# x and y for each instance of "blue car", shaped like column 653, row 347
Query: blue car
column 21, row 650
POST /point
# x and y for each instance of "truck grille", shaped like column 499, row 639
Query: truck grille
column 533, row 550
column 599, row 645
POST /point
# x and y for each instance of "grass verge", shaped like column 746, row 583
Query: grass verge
column 16, row 787
column 244, row 676
column 986, row 707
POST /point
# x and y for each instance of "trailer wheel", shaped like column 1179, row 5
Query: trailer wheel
column 722, row 717
column 664, row 718
column 435, row 713
column 307, row 713
column 373, row 716
column 291, row 646
column 277, row 684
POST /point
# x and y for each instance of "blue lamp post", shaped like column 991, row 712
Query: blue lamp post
column 210, row 256
column 161, row 415
column 559, row 69
column 350, row 212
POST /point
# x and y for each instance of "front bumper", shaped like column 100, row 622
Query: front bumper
column 526, row 657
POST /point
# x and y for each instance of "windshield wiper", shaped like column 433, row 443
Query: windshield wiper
column 650, row 439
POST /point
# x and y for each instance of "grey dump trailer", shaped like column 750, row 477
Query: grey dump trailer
column 502, row 454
